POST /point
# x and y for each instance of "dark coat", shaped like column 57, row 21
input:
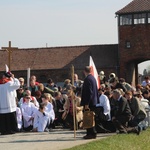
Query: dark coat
column 122, row 108
column 60, row 104
column 137, row 109
column 89, row 92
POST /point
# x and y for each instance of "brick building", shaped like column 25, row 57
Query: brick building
column 134, row 37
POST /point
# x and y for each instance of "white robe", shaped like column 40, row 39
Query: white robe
column 28, row 111
column 34, row 98
column 19, row 117
column 40, row 121
column 50, row 111
column 8, row 96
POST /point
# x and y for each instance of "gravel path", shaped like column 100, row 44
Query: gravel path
column 57, row 139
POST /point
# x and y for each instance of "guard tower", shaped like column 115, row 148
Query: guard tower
column 134, row 38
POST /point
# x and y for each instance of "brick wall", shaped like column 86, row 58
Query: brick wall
column 56, row 62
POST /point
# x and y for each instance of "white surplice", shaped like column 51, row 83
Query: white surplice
column 28, row 111
column 19, row 117
column 8, row 96
column 50, row 111
column 41, row 120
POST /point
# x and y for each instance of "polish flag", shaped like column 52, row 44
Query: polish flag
column 94, row 72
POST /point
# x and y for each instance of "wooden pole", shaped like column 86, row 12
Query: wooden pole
column 9, row 55
column 73, row 99
column 72, row 74
column 28, row 78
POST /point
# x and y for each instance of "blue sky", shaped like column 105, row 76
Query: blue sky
column 37, row 23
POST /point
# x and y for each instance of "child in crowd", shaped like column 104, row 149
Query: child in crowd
column 28, row 111
column 47, row 99
column 41, row 119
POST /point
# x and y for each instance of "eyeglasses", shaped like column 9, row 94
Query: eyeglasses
column 27, row 97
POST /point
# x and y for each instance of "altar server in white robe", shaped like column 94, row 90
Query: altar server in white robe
column 47, row 99
column 41, row 119
column 8, row 86
column 19, row 118
column 28, row 111
column 32, row 99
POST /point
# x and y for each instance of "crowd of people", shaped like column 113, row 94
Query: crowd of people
column 118, row 106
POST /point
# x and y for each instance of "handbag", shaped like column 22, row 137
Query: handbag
column 88, row 119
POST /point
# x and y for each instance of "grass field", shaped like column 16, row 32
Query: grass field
column 119, row 142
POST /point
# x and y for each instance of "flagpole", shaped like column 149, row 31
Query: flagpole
column 74, row 114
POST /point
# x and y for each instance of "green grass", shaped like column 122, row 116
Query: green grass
column 119, row 142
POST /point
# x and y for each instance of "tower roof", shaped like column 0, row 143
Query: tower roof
column 135, row 6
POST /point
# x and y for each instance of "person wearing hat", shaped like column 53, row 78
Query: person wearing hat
column 102, row 77
column 50, row 84
column 8, row 86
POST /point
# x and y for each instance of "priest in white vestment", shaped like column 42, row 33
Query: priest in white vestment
column 8, row 119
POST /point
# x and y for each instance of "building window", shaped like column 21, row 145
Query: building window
column 128, row 44
column 125, row 20
column 148, row 17
column 140, row 18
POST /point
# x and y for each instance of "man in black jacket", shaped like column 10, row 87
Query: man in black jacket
column 60, row 101
column 89, row 98
column 122, row 114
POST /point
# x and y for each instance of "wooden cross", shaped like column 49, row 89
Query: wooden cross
column 9, row 49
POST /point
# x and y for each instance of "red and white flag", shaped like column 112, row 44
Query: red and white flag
column 94, row 72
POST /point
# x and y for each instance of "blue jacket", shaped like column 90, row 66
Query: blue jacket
column 89, row 92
